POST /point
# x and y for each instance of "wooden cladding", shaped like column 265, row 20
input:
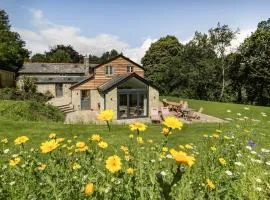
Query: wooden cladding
column 120, row 66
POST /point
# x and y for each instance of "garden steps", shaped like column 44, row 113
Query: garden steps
column 67, row 108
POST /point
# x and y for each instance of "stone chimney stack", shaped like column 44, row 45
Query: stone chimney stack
column 86, row 65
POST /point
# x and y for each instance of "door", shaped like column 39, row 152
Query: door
column 85, row 99
column 59, row 89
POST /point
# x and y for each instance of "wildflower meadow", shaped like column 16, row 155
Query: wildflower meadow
column 225, row 164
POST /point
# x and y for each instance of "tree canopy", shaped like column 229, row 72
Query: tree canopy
column 12, row 47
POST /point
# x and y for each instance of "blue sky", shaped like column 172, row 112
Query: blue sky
column 129, row 26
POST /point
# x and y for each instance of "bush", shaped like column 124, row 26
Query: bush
column 15, row 94
column 30, row 111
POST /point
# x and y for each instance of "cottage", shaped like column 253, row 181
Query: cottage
column 7, row 77
column 117, row 84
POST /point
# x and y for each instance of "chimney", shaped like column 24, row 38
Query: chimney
column 86, row 65
column 86, row 61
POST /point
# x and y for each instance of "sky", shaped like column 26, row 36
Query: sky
column 96, row 26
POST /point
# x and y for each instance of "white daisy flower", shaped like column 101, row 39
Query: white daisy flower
column 246, row 108
column 228, row 111
column 265, row 150
column 229, row 173
column 238, row 164
column 238, row 114
column 6, row 151
column 258, row 189
column 248, row 147
column 253, row 152
column 268, row 163
column 258, row 180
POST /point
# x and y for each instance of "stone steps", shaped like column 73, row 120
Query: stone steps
column 67, row 108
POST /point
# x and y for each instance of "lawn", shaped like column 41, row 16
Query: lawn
column 200, row 161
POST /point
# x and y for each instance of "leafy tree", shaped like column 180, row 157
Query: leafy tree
column 59, row 56
column 221, row 37
column 12, row 48
column 264, row 24
column 255, row 65
column 159, row 59
column 62, row 53
column 108, row 55
column 38, row 58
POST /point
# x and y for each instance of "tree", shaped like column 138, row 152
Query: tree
column 38, row 58
column 158, row 61
column 221, row 37
column 264, row 24
column 108, row 55
column 12, row 48
column 59, row 56
column 62, row 53
column 255, row 52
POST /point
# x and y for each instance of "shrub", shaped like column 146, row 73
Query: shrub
column 30, row 111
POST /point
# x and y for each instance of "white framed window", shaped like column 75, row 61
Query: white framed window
column 109, row 70
column 129, row 69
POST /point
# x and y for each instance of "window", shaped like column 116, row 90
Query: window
column 129, row 69
column 109, row 70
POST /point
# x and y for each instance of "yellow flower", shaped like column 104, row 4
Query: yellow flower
column 205, row 135
column 182, row 158
column 4, row 140
column 48, row 146
column 124, row 148
column 210, row 184
column 181, row 147
column 60, row 139
column 15, row 161
column 42, row 166
column 218, row 131
column 165, row 149
column 222, row 161
column 173, row 123
column 89, row 189
column 103, row 145
column 96, row 138
column 76, row 166
column 106, row 115
column 166, row 132
column 188, row 146
column 131, row 136
column 128, row 157
column 21, row 140
column 130, row 170
column 113, row 164
column 215, row 135
column 80, row 147
column 139, row 140
column 213, row 148
column 150, row 141
column 137, row 126
column 52, row 136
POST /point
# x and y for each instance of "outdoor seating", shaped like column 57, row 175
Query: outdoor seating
column 165, row 112
column 154, row 115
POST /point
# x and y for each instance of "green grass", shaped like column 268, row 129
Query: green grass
column 29, row 111
column 38, row 131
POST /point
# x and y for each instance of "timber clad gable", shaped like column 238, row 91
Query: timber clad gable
column 120, row 66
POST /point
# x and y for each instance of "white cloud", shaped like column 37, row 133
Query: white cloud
column 240, row 37
column 48, row 34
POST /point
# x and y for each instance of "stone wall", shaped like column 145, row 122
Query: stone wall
column 95, row 99
column 76, row 99
column 111, row 101
column 153, row 98
column 43, row 88
column 7, row 79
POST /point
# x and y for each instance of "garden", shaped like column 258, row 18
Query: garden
column 170, row 160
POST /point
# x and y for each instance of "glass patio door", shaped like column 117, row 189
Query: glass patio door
column 132, row 104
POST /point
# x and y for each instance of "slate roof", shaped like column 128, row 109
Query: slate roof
column 111, row 83
column 53, row 68
column 59, row 79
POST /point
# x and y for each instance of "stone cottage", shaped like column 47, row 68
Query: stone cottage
column 117, row 84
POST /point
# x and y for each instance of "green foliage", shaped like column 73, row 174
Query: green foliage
column 30, row 111
column 156, row 175
column 15, row 94
column 12, row 51
column 29, row 85
column 158, row 61
column 38, row 58
column 104, row 57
